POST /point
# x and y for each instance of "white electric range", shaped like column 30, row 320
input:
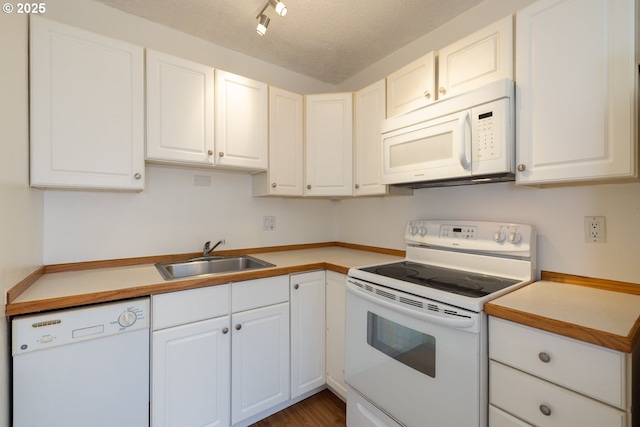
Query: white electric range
column 416, row 331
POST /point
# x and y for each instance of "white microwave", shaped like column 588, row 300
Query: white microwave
column 461, row 140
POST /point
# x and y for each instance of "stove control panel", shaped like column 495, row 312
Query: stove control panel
column 475, row 236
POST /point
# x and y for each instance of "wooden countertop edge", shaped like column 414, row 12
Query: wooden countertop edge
column 583, row 333
column 13, row 309
column 605, row 284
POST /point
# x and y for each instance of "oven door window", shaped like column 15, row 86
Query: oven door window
column 412, row 348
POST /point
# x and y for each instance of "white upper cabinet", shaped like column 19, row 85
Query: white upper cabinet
column 179, row 110
column 241, row 124
column 87, row 109
column 480, row 58
column 369, row 113
column 577, row 78
column 412, row 87
column 329, row 144
column 286, row 146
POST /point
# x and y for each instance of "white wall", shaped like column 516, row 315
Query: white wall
column 558, row 213
column 172, row 215
column 474, row 19
column 21, row 209
column 105, row 20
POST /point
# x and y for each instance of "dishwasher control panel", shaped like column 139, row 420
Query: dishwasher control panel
column 61, row 327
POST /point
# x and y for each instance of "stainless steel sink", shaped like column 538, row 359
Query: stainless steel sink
column 209, row 265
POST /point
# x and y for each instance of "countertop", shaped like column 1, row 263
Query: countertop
column 87, row 286
column 596, row 315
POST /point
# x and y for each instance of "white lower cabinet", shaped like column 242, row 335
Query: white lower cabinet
column 260, row 346
column 307, row 331
column 233, row 354
column 335, row 315
column 546, row 379
column 191, row 343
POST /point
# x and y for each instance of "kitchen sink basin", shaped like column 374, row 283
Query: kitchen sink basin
column 209, row 265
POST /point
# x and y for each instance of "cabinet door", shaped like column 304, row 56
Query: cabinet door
column 285, row 174
column 411, row 87
column 240, row 121
column 307, row 332
column 335, row 313
column 577, row 91
column 329, row 144
column 190, row 378
column 476, row 60
column 179, row 109
column 87, row 109
column 369, row 113
column 260, row 363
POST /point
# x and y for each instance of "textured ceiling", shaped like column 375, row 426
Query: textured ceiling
column 328, row 40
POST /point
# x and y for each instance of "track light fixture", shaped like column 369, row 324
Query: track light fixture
column 263, row 24
column 263, row 20
column 280, row 8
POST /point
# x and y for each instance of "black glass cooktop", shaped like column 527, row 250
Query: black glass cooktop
column 456, row 281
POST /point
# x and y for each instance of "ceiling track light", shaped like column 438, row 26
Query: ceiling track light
column 280, row 8
column 263, row 24
column 264, row 20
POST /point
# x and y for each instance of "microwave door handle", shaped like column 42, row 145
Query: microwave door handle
column 460, row 323
column 465, row 142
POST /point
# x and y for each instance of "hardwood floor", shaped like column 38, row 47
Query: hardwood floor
column 320, row 410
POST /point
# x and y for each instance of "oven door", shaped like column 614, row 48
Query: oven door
column 414, row 358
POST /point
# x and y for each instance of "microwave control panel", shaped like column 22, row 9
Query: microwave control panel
column 488, row 136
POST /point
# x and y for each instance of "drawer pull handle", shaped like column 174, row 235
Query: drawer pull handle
column 238, row 327
column 546, row 411
column 225, row 330
column 544, row 357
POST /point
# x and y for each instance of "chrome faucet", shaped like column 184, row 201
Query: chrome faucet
column 207, row 249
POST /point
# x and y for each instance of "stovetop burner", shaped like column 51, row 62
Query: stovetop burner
column 456, row 281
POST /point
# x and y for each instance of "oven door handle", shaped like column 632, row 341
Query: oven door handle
column 451, row 321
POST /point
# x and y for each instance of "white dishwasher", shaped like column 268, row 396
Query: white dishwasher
column 85, row 367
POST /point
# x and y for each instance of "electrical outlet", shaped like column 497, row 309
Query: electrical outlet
column 268, row 223
column 594, row 229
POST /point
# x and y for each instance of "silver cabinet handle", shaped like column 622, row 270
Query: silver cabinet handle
column 544, row 357
column 427, row 95
column 296, row 286
column 545, row 410
column 210, row 152
column 137, row 176
column 225, row 330
column 238, row 327
column 357, row 186
column 274, row 185
column 442, row 90
column 221, row 154
column 308, row 186
column 521, row 167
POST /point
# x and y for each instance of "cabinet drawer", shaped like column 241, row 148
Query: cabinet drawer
column 588, row 369
column 193, row 305
column 499, row 418
column 524, row 396
column 259, row 293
